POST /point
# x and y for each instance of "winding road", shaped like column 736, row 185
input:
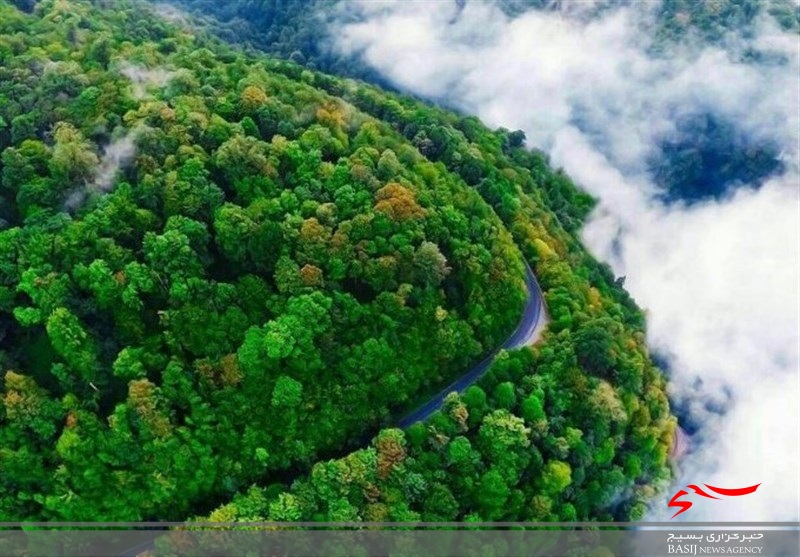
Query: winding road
column 528, row 331
column 530, row 327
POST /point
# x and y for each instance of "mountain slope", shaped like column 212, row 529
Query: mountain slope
column 304, row 30
column 216, row 269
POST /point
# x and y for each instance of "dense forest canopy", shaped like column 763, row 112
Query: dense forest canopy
column 218, row 270
column 301, row 30
column 705, row 158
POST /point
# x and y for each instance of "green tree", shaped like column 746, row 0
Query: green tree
column 73, row 158
column 556, row 477
column 73, row 343
column 287, row 392
column 492, row 494
column 594, row 346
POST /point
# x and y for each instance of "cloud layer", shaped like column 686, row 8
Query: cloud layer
column 721, row 279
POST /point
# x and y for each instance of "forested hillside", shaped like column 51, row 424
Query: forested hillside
column 296, row 30
column 218, row 269
column 701, row 160
column 301, row 30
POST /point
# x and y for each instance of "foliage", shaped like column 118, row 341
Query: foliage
column 294, row 30
column 217, row 267
column 302, row 31
column 564, row 460
column 705, row 156
column 259, row 285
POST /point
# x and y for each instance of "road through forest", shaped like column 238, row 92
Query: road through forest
column 530, row 327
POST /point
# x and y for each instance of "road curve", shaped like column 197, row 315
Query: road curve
column 533, row 320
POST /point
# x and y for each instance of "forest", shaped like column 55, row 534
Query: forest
column 224, row 276
column 704, row 153
column 301, row 30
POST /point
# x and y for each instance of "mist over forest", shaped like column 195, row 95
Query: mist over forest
column 689, row 138
column 249, row 248
column 682, row 118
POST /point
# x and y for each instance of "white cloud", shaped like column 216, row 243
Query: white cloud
column 122, row 149
column 144, row 78
column 172, row 14
column 720, row 280
column 116, row 156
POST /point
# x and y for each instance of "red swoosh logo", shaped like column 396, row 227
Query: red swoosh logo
column 733, row 492
column 701, row 492
column 728, row 492
column 682, row 505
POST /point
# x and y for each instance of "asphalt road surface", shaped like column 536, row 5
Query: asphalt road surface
column 527, row 332
column 530, row 327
